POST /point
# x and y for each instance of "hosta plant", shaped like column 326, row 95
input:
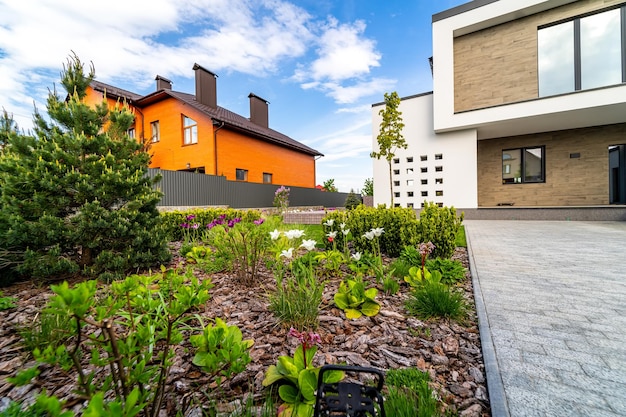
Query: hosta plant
column 355, row 300
column 417, row 276
column 198, row 254
column 298, row 377
column 452, row 271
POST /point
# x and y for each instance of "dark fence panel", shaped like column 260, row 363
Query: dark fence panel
column 191, row 189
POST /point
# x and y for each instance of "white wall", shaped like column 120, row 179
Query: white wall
column 458, row 162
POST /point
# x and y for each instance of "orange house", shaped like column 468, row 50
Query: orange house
column 189, row 132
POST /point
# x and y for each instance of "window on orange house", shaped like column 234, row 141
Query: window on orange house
column 267, row 178
column 241, row 174
column 155, row 132
column 190, row 131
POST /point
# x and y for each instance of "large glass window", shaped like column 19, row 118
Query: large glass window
column 556, row 59
column 523, row 165
column 582, row 53
column 190, row 131
column 600, row 49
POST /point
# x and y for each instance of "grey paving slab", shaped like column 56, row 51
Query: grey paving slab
column 551, row 301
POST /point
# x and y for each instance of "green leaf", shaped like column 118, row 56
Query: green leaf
column 370, row 308
column 307, row 381
column 341, row 300
column 288, row 393
column 371, row 293
column 332, row 377
column 287, row 367
column 24, row 376
column 272, row 375
column 304, row 410
column 352, row 313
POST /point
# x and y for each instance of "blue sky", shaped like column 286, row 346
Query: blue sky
column 320, row 63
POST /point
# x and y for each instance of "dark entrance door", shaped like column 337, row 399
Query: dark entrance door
column 617, row 174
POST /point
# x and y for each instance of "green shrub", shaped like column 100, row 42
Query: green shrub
column 434, row 299
column 452, row 271
column 7, row 302
column 47, row 329
column 44, row 406
column 243, row 242
column 133, row 327
column 174, row 219
column 440, row 225
column 400, row 228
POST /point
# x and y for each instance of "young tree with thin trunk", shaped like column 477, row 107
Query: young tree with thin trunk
column 390, row 136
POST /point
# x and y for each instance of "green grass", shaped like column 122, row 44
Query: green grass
column 311, row 231
column 434, row 299
column 408, row 394
column 461, row 240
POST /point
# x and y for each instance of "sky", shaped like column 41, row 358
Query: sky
column 321, row 64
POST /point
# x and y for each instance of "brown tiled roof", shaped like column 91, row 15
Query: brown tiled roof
column 114, row 92
column 230, row 119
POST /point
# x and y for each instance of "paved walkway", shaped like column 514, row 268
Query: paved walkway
column 551, row 299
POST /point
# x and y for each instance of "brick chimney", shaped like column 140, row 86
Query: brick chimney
column 258, row 110
column 163, row 83
column 206, row 86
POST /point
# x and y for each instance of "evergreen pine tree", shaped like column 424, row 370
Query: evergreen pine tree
column 75, row 198
column 352, row 200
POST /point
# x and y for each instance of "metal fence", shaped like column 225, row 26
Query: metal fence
column 190, row 189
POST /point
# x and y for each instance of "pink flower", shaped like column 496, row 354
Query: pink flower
column 307, row 339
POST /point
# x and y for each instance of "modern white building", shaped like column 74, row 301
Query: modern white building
column 528, row 109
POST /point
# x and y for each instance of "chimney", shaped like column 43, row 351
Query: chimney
column 163, row 83
column 206, row 86
column 258, row 110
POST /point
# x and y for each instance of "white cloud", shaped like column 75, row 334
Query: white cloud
column 353, row 93
column 365, row 108
column 342, row 68
column 133, row 41
column 344, row 53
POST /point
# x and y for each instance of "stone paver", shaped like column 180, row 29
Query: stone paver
column 551, row 300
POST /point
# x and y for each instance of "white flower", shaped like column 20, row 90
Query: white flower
column 332, row 234
column 356, row 256
column 287, row 253
column 329, row 222
column 275, row 234
column 308, row 244
column 369, row 235
column 342, row 226
column 294, row 233
column 378, row 231
column 345, row 231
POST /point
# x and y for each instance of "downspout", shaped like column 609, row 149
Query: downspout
column 315, row 159
column 219, row 126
